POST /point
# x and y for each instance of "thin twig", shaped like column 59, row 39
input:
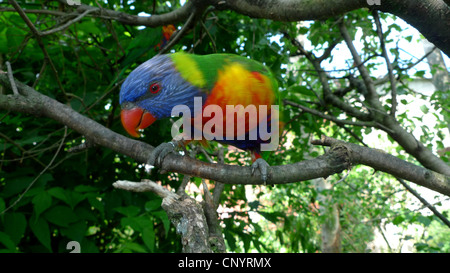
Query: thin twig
column 323, row 78
column 179, row 34
column 424, row 202
column 38, row 37
column 372, row 95
column 388, row 62
column 11, row 79
column 38, row 11
column 328, row 117
column 66, row 25
column 209, row 35
column 419, row 60
column 40, row 174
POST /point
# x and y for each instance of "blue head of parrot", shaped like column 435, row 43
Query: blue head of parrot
column 151, row 91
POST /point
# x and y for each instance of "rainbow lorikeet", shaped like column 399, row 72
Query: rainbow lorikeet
column 217, row 83
column 167, row 32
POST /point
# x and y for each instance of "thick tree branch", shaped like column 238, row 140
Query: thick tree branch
column 176, row 16
column 291, row 10
column 430, row 17
column 381, row 161
column 184, row 212
column 335, row 161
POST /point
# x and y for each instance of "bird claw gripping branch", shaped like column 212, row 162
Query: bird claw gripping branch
column 263, row 168
column 160, row 152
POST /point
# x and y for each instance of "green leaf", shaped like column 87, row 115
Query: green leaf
column 426, row 221
column 2, row 205
column 41, row 202
column 88, row 247
column 424, row 109
column 15, row 185
column 134, row 247
column 41, row 230
column 397, row 220
column 165, row 220
column 15, row 224
column 271, row 216
column 85, row 188
column 88, row 27
column 230, row 239
column 147, row 38
column 86, row 213
column 61, row 215
column 131, row 222
column 419, row 73
column 129, row 211
column 148, row 236
column 300, row 89
column 96, row 204
column 7, row 242
column 153, row 204
column 71, row 198
column 75, row 231
column 58, row 193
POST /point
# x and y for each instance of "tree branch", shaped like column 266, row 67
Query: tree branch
column 388, row 62
column 184, row 212
column 327, row 93
column 66, row 25
column 335, row 161
column 38, row 37
column 430, row 17
column 172, row 17
column 371, row 95
column 389, row 123
column 11, row 79
column 290, row 10
column 381, row 161
column 328, row 117
column 425, row 203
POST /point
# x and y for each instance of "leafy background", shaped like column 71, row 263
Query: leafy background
column 47, row 205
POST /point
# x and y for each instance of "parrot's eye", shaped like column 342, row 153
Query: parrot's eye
column 154, row 88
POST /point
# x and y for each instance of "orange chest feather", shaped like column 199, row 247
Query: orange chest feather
column 237, row 86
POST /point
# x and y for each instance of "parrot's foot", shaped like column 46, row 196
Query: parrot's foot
column 159, row 153
column 263, row 167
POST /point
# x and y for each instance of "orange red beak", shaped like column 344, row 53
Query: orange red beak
column 136, row 119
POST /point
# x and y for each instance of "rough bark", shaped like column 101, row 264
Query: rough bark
column 184, row 212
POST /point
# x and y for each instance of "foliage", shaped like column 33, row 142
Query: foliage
column 73, row 199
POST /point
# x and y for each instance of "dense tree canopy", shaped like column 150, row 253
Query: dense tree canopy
column 366, row 135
